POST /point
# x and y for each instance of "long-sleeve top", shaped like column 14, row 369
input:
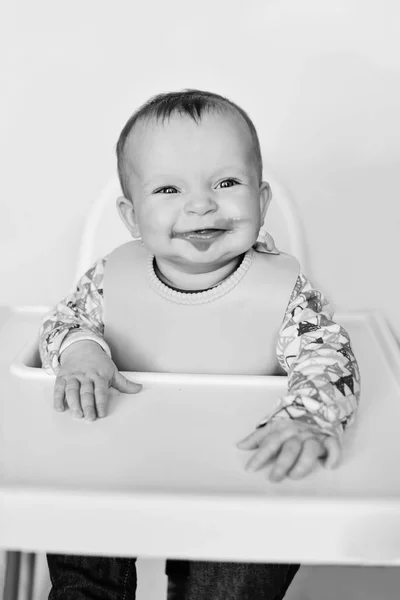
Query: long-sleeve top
column 314, row 350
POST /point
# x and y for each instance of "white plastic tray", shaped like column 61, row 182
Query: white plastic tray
column 161, row 475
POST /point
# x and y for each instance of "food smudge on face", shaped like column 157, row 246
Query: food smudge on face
column 203, row 238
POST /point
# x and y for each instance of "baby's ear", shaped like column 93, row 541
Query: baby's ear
column 265, row 198
column 127, row 213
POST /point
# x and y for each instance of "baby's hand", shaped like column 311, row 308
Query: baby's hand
column 84, row 379
column 295, row 447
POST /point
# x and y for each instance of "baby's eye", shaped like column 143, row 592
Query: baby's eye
column 227, row 183
column 166, row 190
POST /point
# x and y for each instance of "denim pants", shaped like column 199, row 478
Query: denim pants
column 104, row 578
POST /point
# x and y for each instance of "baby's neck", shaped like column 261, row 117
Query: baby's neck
column 193, row 282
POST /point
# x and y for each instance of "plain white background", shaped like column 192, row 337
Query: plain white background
column 321, row 80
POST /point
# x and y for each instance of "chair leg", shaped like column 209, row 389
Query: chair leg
column 13, row 567
column 27, row 576
column 31, row 572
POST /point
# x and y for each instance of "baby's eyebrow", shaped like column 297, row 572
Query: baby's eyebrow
column 162, row 179
column 233, row 169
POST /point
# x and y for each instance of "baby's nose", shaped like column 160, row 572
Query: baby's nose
column 201, row 204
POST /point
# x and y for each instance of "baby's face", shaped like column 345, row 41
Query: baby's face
column 197, row 199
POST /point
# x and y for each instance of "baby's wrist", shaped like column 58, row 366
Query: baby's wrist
column 82, row 347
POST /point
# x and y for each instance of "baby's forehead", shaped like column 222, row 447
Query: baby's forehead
column 153, row 133
column 167, row 123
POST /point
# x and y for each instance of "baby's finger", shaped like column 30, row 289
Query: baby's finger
column 73, row 397
column 265, row 435
column 269, row 448
column 287, row 457
column 124, row 385
column 59, row 394
column 101, row 392
column 311, row 451
column 253, row 440
column 87, row 400
column 333, row 450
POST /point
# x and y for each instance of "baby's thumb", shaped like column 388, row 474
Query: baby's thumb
column 332, row 446
column 125, row 386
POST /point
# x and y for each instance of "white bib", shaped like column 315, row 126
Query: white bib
column 229, row 329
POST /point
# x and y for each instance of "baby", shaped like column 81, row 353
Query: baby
column 201, row 289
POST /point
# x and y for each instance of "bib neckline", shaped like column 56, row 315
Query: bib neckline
column 210, row 295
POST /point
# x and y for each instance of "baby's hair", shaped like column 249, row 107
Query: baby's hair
column 187, row 102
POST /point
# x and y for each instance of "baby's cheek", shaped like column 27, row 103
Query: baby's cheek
column 156, row 232
column 248, row 208
column 154, row 218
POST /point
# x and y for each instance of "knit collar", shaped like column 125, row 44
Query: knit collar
column 201, row 297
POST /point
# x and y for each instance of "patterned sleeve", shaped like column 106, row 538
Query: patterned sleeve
column 78, row 317
column 323, row 374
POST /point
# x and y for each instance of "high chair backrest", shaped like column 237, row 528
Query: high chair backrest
column 103, row 230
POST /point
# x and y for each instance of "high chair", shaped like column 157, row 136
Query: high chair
column 205, row 508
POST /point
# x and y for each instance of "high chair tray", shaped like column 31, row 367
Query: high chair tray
column 161, row 475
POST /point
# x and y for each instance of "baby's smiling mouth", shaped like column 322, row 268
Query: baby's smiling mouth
column 200, row 234
column 220, row 227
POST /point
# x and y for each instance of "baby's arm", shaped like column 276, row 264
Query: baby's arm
column 71, row 345
column 77, row 317
column 323, row 389
column 323, row 374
